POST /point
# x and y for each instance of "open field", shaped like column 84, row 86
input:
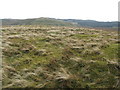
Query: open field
column 59, row 57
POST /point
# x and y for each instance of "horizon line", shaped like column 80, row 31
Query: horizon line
column 59, row 18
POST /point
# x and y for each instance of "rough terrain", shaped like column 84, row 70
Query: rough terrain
column 59, row 57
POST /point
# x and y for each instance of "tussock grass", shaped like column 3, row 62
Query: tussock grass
column 59, row 57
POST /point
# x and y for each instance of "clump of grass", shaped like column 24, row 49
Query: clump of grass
column 95, row 51
column 41, row 52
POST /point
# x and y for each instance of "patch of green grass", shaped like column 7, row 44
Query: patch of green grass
column 84, row 36
column 112, row 51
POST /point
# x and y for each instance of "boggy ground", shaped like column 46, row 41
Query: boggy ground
column 59, row 57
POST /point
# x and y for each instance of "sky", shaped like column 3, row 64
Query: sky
column 99, row 10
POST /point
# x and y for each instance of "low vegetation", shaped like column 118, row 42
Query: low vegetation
column 59, row 57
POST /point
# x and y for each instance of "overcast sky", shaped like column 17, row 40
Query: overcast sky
column 100, row 10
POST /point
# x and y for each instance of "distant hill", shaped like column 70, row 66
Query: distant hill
column 60, row 22
column 36, row 21
column 92, row 23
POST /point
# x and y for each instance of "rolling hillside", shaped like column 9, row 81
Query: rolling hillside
column 92, row 23
column 60, row 22
column 36, row 21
